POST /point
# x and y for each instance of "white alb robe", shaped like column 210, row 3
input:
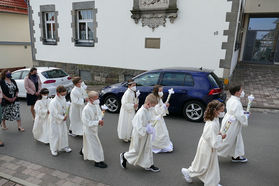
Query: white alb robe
column 58, row 128
column 140, row 150
column 233, row 143
column 161, row 141
column 126, row 115
column 77, row 104
column 92, row 147
column 41, row 125
column 205, row 165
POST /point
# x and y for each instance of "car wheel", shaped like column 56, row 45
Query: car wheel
column 193, row 111
column 112, row 103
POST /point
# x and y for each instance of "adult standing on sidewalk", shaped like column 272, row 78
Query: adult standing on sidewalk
column 33, row 85
column 10, row 104
column 1, row 96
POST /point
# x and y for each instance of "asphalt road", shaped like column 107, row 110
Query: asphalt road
column 261, row 141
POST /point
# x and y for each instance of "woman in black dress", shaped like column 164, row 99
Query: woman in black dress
column 10, row 103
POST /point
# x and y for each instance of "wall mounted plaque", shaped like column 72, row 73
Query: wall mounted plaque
column 153, row 13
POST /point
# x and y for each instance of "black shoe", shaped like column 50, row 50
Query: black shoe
column 239, row 159
column 80, row 152
column 2, row 144
column 101, row 164
column 123, row 160
column 153, row 169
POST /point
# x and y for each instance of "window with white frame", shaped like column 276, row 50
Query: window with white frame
column 85, row 26
column 49, row 26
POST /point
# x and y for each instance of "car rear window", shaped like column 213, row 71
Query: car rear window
column 56, row 73
column 177, row 79
column 214, row 80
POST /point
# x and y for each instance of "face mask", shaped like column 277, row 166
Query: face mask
column 96, row 102
column 134, row 88
column 8, row 75
column 151, row 109
column 160, row 94
column 44, row 97
column 242, row 94
column 34, row 75
column 63, row 97
column 221, row 114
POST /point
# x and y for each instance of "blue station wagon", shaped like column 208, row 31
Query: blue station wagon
column 194, row 88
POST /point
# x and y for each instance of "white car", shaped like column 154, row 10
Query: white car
column 51, row 78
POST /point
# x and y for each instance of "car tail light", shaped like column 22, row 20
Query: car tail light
column 215, row 91
column 69, row 78
column 49, row 81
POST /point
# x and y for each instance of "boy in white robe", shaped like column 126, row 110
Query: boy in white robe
column 92, row 118
column 57, row 118
column 161, row 141
column 140, row 150
column 78, row 98
column 233, row 144
column 128, row 108
column 205, row 165
column 41, row 123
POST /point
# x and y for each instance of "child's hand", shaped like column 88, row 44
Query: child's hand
column 136, row 106
column 101, row 122
column 65, row 118
column 224, row 136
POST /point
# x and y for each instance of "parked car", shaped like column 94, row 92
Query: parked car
column 51, row 78
column 194, row 88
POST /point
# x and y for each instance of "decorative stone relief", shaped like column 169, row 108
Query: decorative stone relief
column 153, row 13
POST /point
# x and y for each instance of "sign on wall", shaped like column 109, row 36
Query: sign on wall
column 153, row 13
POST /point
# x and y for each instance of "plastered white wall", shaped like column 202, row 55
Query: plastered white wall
column 188, row 42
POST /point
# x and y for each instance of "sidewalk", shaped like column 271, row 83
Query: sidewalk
column 260, row 80
column 18, row 172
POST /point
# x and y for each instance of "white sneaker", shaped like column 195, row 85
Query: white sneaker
column 54, row 153
column 219, row 185
column 186, row 175
column 67, row 149
column 71, row 134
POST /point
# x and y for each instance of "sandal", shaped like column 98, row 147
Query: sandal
column 4, row 128
column 20, row 129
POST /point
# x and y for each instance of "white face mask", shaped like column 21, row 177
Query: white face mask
column 242, row 94
column 221, row 114
column 160, row 94
column 151, row 109
column 44, row 97
column 96, row 102
column 134, row 88
column 63, row 97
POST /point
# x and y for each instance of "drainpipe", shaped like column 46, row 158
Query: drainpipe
column 31, row 30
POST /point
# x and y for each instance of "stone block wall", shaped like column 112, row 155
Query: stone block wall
column 96, row 75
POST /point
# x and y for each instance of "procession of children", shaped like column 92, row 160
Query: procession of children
column 143, row 127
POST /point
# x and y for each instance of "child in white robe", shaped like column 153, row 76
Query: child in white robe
column 128, row 108
column 92, row 118
column 161, row 141
column 140, row 151
column 57, row 118
column 205, row 165
column 78, row 98
column 41, row 125
column 233, row 144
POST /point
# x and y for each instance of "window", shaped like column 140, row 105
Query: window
column 48, row 25
column 54, row 74
column 149, row 79
column 16, row 75
column 173, row 79
column 24, row 74
column 84, row 23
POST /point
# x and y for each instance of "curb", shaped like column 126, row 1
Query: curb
column 15, row 179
